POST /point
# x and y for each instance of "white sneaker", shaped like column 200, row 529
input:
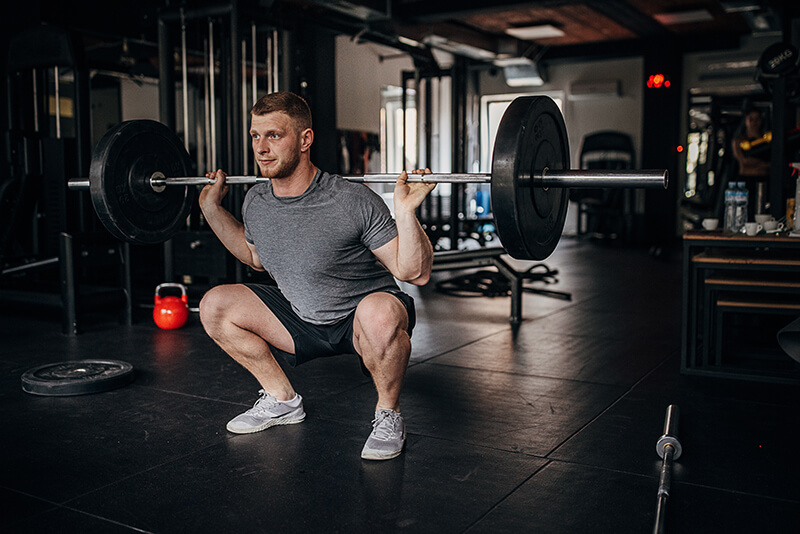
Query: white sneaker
column 266, row 412
column 387, row 438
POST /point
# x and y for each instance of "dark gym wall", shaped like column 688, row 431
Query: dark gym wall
column 20, row 16
column 312, row 75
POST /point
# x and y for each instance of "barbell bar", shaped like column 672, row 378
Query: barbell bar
column 142, row 192
column 568, row 178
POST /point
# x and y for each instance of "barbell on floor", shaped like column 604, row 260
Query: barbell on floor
column 669, row 449
column 142, row 192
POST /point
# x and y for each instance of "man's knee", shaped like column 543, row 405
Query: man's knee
column 229, row 311
column 216, row 305
column 380, row 319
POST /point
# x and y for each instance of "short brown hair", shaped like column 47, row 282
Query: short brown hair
column 285, row 102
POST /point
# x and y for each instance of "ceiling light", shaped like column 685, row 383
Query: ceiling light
column 740, row 6
column 459, row 49
column 530, row 33
column 409, row 42
column 521, row 71
column 684, row 17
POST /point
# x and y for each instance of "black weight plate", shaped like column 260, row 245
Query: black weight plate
column 530, row 137
column 77, row 377
column 122, row 164
column 779, row 59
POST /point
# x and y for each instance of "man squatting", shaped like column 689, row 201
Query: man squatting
column 334, row 252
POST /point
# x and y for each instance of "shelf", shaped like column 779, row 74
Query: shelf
column 757, row 303
column 754, row 281
column 742, row 258
column 738, row 292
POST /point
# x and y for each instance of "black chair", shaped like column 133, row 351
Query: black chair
column 603, row 213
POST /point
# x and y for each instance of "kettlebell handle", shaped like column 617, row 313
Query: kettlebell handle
column 182, row 287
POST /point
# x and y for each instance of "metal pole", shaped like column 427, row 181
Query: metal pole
column 663, row 489
column 207, row 108
column 212, row 77
column 275, row 77
column 367, row 178
column 254, row 53
column 27, row 266
column 69, row 307
column 57, row 102
column 601, row 179
column 245, row 135
column 185, row 83
column 35, row 104
column 199, row 133
column 269, row 64
column 449, row 178
column 404, row 133
column 235, row 125
column 166, row 75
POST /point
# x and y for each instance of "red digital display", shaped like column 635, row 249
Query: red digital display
column 657, row 81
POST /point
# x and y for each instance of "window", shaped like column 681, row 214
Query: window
column 392, row 157
column 492, row 109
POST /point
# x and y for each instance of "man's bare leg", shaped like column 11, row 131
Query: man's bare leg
column 380, row 338
column 244, row 327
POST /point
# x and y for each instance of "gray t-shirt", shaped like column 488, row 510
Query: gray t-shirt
column 317, row 246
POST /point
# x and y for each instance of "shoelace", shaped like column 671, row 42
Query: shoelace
column 385, row 431
column 266, row 402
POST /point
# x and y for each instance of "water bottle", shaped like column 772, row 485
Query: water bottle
column 742, row 200
column 729, row 215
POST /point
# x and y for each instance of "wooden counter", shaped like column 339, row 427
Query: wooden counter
column 738, row 291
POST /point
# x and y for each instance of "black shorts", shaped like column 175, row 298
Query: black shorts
column 318, row 341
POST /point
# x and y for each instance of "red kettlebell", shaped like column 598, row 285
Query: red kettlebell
column 171, row 312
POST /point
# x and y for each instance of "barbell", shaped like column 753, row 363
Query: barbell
column 669, row 449
column 142, row 192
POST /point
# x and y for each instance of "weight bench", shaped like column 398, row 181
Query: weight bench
column 492, row 256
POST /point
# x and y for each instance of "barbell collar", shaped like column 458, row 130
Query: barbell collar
column 670, row 436
column 79, row 184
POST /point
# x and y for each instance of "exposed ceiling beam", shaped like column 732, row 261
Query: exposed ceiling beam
column 624, row 14
column 436, row 13
column 618, row 49
column 418, row 11
column 460, row 33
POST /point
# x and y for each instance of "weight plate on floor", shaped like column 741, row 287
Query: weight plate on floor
column 122, row 164
column 531, row 136
column 76, row 377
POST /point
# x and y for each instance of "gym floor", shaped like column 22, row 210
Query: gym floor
column 547, row 428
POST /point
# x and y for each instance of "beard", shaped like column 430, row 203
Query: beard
column 285, row 168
